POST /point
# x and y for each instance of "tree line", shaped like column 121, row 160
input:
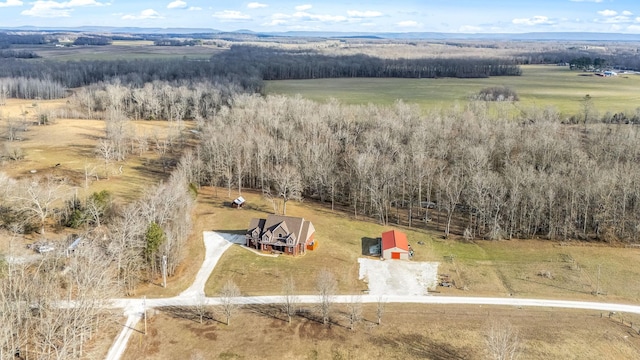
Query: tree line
column 274, row 64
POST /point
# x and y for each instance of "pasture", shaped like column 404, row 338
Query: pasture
column 71, row 144
column 122, row 50
column 539, row 86
column 407, row 332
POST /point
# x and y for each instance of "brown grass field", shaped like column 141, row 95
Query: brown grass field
column 72, row 144
column 407, row 332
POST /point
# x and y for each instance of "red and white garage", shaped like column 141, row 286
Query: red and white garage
column 395, row 245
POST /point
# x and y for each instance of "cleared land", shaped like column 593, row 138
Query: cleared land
column 539, row 85
column 407, row 332
column 121, row 50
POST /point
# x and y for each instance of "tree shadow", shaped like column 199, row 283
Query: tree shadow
column 189, row 313
column 557, row 286
column 367, row 244
column 267, row 310
column 420, row 346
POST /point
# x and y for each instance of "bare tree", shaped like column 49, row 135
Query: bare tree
column 287, row 183
column 326, row 286
column 502, row 340
column 106, row 150
column 200, row 308
column 228, row 295
column 354, row 311
column 38, row 198
column 289, row 299
column 380, row 304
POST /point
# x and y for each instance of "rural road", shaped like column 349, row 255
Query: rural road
column 216, row 244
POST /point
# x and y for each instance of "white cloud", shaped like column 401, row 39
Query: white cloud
column 49, row 8
column 276, row 22
column 11, row 3
column 303, row 7
column 178, row 4
column 409, row 23
column 256, row 5
column 231, row 15
column 322, row 18
column 144, row 14
column 364, row 14
column 608, row 12
column 194, row 8
column 536, row 20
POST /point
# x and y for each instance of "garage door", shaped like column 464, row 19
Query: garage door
column 395, row 255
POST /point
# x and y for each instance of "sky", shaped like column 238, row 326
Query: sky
column 454, row 16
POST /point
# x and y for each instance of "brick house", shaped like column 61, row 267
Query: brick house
column 281, row 234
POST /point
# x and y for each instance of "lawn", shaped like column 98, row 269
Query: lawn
column 539, row 86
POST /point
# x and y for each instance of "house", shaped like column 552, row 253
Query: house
column 281, row 234
column 395, row 245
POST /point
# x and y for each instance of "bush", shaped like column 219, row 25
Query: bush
column 497, row 93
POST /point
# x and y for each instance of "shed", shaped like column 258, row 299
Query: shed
column 395, row 245
column 238, row 203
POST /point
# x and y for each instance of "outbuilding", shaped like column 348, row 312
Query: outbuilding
column 238, row 203
column 395, row 245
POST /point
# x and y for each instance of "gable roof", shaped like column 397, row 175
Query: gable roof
column 296, row 228
column 394, row 239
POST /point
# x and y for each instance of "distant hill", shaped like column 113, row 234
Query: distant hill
column 540, row 36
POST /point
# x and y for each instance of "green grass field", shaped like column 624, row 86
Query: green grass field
column 539, row 86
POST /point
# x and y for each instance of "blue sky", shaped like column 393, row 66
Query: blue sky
column 458, row 16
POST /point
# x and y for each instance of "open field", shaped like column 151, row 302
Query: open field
column 407, row 332
column 72, row 143
column 539, row 85
column 522, row 268
column 121, row 50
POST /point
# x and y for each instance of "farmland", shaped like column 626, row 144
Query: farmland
column 539, row 86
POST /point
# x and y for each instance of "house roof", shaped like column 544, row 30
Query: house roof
column 394, row 239
column 298, row 228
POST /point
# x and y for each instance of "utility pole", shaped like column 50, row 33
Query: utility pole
column 164, row 271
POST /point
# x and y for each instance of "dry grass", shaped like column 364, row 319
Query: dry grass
column 72, row 143
column 407, row 332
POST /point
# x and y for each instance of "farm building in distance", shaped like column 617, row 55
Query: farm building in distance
column 281, row 234
column 395, row 245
